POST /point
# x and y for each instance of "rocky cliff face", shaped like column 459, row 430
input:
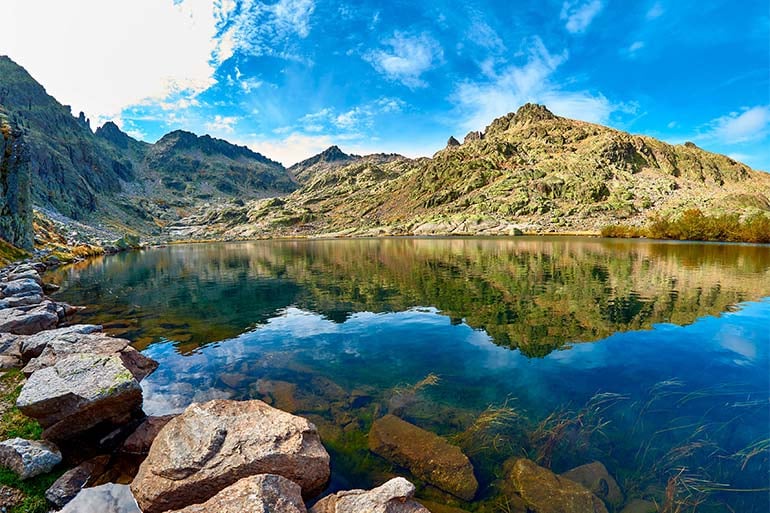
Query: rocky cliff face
column 15, row 201
column 69, row 166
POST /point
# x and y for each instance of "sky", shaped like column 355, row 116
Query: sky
column 288, row 78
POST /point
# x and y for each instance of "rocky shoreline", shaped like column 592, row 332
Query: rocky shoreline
column 83, row 389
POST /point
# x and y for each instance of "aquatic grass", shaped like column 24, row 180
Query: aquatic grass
column 495, row 429
column 405, row 395
column 578, row 427
column 758, row 448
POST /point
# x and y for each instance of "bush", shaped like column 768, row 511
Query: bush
column 695, row 225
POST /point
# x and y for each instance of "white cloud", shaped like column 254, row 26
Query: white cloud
column 656, row 11
column 407, row 59
column 579, row 15
column 481, row 102
column 751, row 124
column 635, row 47
column 101, row 56
column 257, row 28
column 222, row 124
column 481, row 34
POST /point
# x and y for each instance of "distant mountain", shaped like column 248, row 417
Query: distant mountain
column 330, row 158
column 529, row 170
column 109, row 177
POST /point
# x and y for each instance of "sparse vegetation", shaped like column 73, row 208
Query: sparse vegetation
column 693, row 224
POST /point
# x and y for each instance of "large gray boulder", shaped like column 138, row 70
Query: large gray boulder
column 78, row 393
column 28, row 458
column 255, row 494
column 395, row 496
column 213, row 445
column 22, row 287
column 31, row 347
column 425, row 454
column 545, row 492
column 107, row 498
column 10, row 351
column 29, row 320
column 70, row 344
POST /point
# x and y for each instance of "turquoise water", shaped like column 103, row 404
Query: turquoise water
column 650, row 357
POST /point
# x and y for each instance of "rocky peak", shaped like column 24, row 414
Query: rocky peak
column 531, row 112
column 111, row 132
column 473, row 136
column 452, row 142
column 527, row 113
column 84, row 121
column 332, row 154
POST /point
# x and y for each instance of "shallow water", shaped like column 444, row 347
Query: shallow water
column 672, row 336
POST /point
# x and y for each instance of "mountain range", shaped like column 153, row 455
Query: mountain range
column 529, row 170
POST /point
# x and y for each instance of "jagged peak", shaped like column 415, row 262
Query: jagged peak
column 452, row 142
column 533, row 112
column 527, row 113
column 333, row 153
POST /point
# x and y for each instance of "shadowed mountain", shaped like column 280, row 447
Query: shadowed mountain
column 109, row 177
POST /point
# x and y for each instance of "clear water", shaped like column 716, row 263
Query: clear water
column 650, row 357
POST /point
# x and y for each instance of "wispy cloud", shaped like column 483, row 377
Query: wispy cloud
column 222, row 124
column 579, row 14
column 749, row 125
column 406, row 58
column 506, row 90
column 656, row 11
column 633, row 48
column 257, row 28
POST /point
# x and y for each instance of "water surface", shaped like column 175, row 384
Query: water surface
column 651, row 357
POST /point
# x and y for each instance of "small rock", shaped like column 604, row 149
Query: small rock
column 50, row 288
column 395, row 496
column 595, row 477
column 107, row 498
column 29, row 458
column 255, row 494
column 64, row 489
column 211, row 446
column 32, row 346
column 545, row 492
column 140, row 441
column 425, row 454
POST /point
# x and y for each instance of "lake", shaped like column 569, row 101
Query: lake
column 651, row 357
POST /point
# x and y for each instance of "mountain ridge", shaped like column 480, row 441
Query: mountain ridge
column 527, row 171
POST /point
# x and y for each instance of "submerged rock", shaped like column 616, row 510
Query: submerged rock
column 34, row 345
column 66, row 488
column 425, row 454
column 594, row 477
column 107, row 498
column 28, row 458
column 395, row 496
column 211, row 446
column 545, row 492
column 78, row 393
column 254, row 494
column 640, row 506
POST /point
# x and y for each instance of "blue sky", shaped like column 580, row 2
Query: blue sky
column 291, row 77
